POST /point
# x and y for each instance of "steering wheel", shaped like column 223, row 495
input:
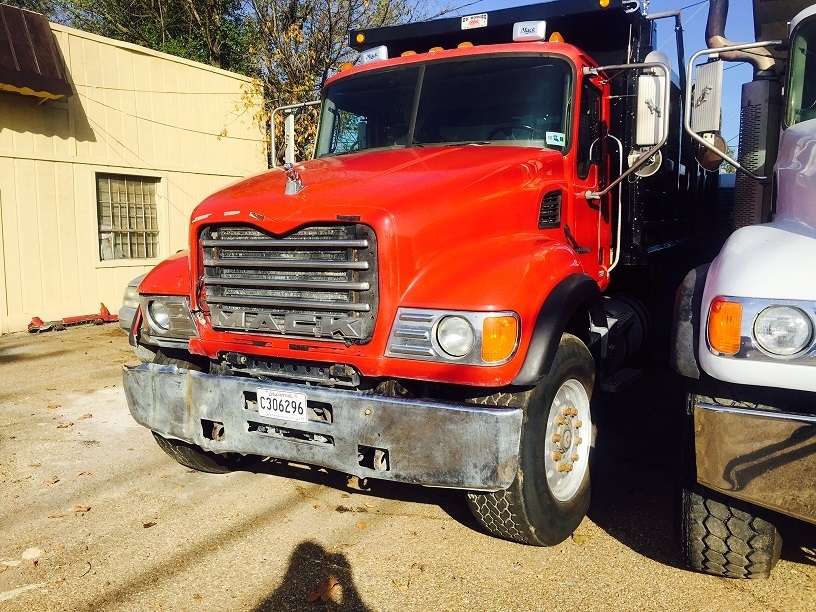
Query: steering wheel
column 508, row 129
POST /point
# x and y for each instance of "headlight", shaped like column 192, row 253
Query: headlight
column 131, row 297
column 168, row 317
column 782, row 330
column 455, row 336
column 159, row 315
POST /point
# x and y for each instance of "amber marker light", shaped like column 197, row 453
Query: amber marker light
column 724, row 325
column 435, row 49
column 499, row 336
column 360, row 38
column 464, row 45
column 346, row 66
column 407, row 53
column 603, row 3
column 556, row 37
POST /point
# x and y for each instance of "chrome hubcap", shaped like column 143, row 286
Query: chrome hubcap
column 566, row 445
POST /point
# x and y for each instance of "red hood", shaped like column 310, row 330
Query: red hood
column 457, row 228
column 384, row 180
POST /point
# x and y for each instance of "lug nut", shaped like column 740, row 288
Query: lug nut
column 578, row 423
column 564, row 467
column 560, row 420
column 556, row 438
column 574, row 458
column 557, row 456
column 578, row 441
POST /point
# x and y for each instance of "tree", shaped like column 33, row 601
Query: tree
column 298, row 44
column 213, row 32
column 290, row 46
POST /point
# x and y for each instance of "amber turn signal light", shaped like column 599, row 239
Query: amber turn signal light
column 724, row 325
column 499, row 337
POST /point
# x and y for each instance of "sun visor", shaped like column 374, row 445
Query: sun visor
column 30, row 63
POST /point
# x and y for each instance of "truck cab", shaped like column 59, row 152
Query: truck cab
column 428, row 299
column 745, row 340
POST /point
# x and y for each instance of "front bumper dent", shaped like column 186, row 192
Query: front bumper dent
column 766, row 458
column 426, row 442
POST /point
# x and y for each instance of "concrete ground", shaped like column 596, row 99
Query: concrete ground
column 95, row 516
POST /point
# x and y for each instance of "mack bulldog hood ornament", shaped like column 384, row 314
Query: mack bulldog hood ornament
column 294, row 185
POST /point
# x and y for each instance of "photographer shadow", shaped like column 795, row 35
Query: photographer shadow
column 311, row 565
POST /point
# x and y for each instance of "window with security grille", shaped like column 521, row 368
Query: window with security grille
column 128, row 223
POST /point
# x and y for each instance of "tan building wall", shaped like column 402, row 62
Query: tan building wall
column 134, row 112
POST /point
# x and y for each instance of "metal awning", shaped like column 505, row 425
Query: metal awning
column 30, row 63
column 771, row 17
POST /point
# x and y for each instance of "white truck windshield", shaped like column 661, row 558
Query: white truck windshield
column 520, row 101
column 802, row 81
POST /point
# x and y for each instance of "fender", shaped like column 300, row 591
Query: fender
column 685, row 332
column 170, row 277
column 556, row 312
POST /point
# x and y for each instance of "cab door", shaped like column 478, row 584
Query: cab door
column 589, row 229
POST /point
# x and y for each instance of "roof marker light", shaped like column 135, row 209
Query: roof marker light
column 346, row 66
column 464, row 45
column 435, row 49
column 360, row 38
column 556, row 37
column 527, row 31
column 603, row 3
column 374, row 55
column 407, row 53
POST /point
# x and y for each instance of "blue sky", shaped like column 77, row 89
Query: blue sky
column 739, row 28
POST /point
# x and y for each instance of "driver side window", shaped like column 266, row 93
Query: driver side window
column 589, row 128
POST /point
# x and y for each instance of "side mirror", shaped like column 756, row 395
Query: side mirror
column 652, row 121
column 292, row 111
column 706, row 98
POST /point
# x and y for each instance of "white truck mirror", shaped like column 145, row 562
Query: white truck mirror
column 706, row 99
column 704, row 94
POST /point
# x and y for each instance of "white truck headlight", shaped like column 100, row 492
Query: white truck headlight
column 455, row 336
column 782, row 330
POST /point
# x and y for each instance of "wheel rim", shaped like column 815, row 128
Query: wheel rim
column 566, row 446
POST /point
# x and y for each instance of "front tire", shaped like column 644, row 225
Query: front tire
column 196, row 458
column 550, row 494
column 720, row 535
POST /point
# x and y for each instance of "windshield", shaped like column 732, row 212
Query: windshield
column 520, row 101
column 802, row 81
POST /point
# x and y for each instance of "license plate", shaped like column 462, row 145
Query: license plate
column 282, row 405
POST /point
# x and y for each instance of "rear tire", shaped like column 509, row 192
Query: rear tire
column 545, row 504
column 720, row 535
column 196, row 458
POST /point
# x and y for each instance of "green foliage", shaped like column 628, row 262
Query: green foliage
column 290, row 46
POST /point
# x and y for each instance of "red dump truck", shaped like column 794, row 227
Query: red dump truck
column 437, row 295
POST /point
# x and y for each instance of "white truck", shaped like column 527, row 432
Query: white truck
column 744, row 325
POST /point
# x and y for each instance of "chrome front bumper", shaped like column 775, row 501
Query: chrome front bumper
column 416, row 441
column 766, row 458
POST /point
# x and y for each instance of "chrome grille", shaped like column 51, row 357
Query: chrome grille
column 319, row 281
